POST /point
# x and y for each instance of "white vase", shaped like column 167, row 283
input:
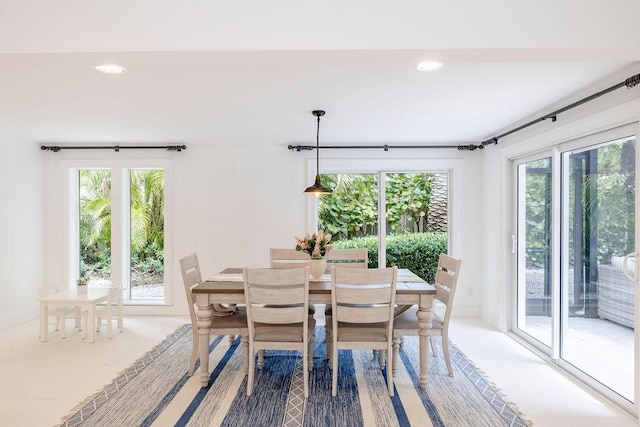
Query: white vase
column 317, row 267
column 82, row 289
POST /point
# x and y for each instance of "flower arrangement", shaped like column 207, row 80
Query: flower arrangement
column 82, row 281
column 316, row 245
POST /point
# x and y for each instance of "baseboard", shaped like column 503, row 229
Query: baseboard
column 16, row 319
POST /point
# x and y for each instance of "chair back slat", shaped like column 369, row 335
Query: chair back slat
column 360, row 314
column 277, row 315
column 284, row 294
column 348, row 258
column 447, row 279
column 355, row 294
column 288, row 258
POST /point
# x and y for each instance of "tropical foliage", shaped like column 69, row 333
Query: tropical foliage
column 352, row 209
column 147, row 224
column 350, row 214
column 608, row 201
column 418, row 252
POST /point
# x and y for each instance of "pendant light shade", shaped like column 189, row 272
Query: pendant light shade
column 317, row 189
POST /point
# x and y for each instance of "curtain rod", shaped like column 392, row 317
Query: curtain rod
column 56, row 148
column 629, row 83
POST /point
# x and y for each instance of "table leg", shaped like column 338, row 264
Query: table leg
column 204, row 316
column 425, row 315
column 44, row 319
column 91, row 324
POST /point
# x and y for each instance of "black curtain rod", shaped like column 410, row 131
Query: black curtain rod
column 385, row 147
column 629, row 83
column 56, row 148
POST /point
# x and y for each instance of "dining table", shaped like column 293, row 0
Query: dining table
column 87, row 298
column 227, row 287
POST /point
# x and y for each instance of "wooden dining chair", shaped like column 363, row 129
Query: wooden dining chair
column 277, row 315
column 346, row 258
column 406, row 324
column 232, row 323
column 363, row 303
column 290, row 258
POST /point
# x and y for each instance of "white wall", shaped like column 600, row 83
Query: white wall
column 611, row 110
column 230, row 204
column 21, row 232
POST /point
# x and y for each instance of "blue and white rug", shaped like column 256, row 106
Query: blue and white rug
column 157, row 392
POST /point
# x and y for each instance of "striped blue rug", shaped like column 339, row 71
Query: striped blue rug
column 155, row 391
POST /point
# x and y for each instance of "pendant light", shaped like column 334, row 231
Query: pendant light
column 317, row 189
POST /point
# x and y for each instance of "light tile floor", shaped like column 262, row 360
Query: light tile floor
column 41, row 382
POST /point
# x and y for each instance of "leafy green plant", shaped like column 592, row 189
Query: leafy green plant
column 418, row 252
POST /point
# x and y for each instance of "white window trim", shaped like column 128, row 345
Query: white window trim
column 68, row 168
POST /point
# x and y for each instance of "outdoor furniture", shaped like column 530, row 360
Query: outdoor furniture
column 616, row 295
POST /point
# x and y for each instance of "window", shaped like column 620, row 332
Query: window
column 117, row 228
column 414, row 205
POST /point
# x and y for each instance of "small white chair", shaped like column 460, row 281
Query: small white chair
column 112, row 309
column 407, row 323
column 61, row 313
column 363, row 309
column 277, row 315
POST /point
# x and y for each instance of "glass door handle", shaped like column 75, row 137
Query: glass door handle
column 514, row 243
column 625, row 265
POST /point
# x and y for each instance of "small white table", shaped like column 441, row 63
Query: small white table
column 72, row 297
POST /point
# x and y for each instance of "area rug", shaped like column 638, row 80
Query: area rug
column 156, row 391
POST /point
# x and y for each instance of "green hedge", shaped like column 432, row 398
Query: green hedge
column 418, row 252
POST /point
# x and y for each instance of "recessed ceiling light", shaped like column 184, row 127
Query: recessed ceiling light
column 429, row 65
column 111, row 69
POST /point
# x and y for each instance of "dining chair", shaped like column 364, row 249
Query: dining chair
column 230, row 323
column 277, row 314
column 406, row 324
column 347, row 258
column 108, row 311
column 363, row 301
column 61, row 313
column 290, row 258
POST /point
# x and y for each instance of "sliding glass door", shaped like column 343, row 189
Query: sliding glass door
column 574, row 243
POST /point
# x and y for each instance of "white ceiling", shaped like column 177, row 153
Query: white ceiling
column 251, row 72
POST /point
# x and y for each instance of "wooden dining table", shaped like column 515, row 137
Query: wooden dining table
column 227, row 287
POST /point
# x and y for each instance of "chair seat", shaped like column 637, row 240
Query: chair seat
column 235, row 320
column 371, row 332
column 409, row 320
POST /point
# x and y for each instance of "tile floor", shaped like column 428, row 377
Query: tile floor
column 41, row 382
